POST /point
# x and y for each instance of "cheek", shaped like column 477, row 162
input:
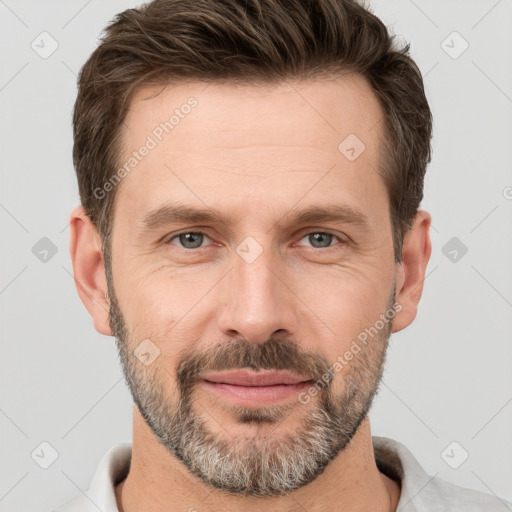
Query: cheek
column 166, row 309
column 147, row 294
column 346, row 302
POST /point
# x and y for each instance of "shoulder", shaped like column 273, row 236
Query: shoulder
column 100, row 495
column 444, row 495
column 421, row 492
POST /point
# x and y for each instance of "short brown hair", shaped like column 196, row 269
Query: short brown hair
column 249, row 41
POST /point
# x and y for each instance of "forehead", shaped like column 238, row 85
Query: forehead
column 340, row 105
column 266, row 143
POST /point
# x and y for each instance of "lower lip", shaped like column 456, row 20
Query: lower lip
column 256, row 396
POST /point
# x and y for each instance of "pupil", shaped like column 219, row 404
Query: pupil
column 192, row 238
column 319, row 237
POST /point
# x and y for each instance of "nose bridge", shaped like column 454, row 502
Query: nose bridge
column 256, row 302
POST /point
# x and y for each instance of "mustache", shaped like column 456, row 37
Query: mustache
column 273, row 354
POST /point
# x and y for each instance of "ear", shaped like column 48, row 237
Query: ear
column 410, row 274
column 89, row 269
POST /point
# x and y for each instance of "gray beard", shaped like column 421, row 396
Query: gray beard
column 258, row 465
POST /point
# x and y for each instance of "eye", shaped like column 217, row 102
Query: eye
column 195, row 239
column 320, row 239
column 189, row 239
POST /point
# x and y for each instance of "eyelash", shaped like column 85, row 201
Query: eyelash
column 169, row 241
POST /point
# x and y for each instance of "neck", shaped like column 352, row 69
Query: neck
column 158, row 482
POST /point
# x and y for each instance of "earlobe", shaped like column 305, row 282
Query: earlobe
column 411, row 270
column 89, row 269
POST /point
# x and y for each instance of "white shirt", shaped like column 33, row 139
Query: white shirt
column 419, row 491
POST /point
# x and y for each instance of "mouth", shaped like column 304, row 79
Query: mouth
column 255, row 389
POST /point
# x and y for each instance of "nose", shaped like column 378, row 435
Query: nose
column 256, row 301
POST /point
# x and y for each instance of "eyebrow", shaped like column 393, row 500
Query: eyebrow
column 178, row 213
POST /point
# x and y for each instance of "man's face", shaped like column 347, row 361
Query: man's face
column 260, row 290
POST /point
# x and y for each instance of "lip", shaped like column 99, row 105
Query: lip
column 250, row 389
column 254, row 379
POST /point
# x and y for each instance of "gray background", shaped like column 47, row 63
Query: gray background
column 448, row 376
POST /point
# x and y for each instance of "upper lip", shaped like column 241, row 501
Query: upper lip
column 246, row 378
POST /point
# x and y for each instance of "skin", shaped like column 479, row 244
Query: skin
column 256, row 153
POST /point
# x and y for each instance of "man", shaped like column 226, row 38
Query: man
column 250, row 176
